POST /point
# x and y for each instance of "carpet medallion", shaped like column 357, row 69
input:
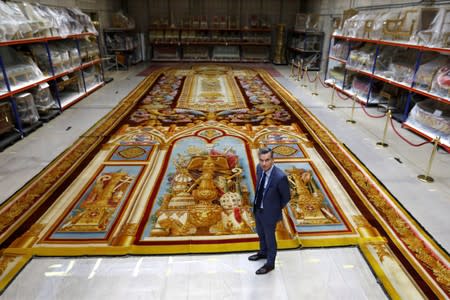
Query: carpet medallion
column 172, row 170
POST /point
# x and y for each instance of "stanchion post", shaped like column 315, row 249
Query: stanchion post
column 305, row 78
column 292, row 68
column 383, row 143
column 351, row 120
column 333, row 86
column 426, row 177
column 315, row 93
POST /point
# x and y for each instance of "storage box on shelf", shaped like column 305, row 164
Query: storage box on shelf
column 219, row 40
column 396, row 61
column 41, row 50
column 305, row 47
column 124, row 44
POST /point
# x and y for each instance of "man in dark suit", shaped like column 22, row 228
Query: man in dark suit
column 272, row 194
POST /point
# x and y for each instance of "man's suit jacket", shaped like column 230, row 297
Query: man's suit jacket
column 276, row 194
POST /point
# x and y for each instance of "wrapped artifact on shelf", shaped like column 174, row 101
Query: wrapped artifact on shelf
column 82, row 19
column 26, row 109
column 13, row 24
column 43, row 99
column 59, row 24
column 360, row 25
column 340, row 49
column 20, row 69
column 437, row 33
column 300, row 21
column 396, row 63
column 433, row 117
column 340, row 22
column 255, row 53
column 43, row 25
column 6, row 118
column 298, row 42
column 120, row 20
column 3, row 88
column 428, row 70
column 196, row 52
column 311, row 60
column 362, row 58
column 313, row 22
column 337, row 73
column 40, row 56
column 92, row 77
column 313, row 43
column 441, row 82
column 387, row 97
column 166, row 52
column 402, row 66
column 89, row 50
column 361, row 86
column 401, row 25
column 226, row 53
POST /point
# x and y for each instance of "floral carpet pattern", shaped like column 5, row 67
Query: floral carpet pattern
column 172, row 170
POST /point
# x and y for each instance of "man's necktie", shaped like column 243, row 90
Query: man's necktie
column 260, row 192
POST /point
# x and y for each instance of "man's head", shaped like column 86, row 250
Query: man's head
column 265, row 158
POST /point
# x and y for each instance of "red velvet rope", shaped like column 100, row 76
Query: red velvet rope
column 339, row 95
column 403, row 138
column 372, row 116
column 309, row 79
column 323, row 83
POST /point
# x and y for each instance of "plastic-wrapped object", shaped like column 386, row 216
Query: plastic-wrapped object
column 384, row 61
column 377, row 31
column 402, row 66
column 337, row 73
column 363, row 57
column 28, row 113
column 359, row 25
column 340, row 49
column 428, row 70
column 226, row 53
column 43, row 99
column 41, row 58
column 401, row 27
column 6, row 118
column 51, row 15
column 3, row 88
column 433, row 117
column 91, row 77
column 441, row 81
column 89, row 50
column 41, row 24
column 120, row 20
column 20, row 69
column 339, row 26
column 438, row 32
column 313, row 22
column 83, row 20
column 35, row 25
column 361, row 86
column 13, row 24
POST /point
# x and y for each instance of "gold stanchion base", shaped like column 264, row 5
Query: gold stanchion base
column 351, row 121
column 303, row 85
column 382, row 144
column 315, row 94
column 331, row 106
column 425, row 178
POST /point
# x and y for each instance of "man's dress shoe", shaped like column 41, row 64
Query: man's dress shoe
column 264, row 270
column 256, row 256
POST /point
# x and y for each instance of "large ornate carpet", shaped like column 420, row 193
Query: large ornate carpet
column 172, row 170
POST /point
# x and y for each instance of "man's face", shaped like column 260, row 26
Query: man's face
column 266, row 161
